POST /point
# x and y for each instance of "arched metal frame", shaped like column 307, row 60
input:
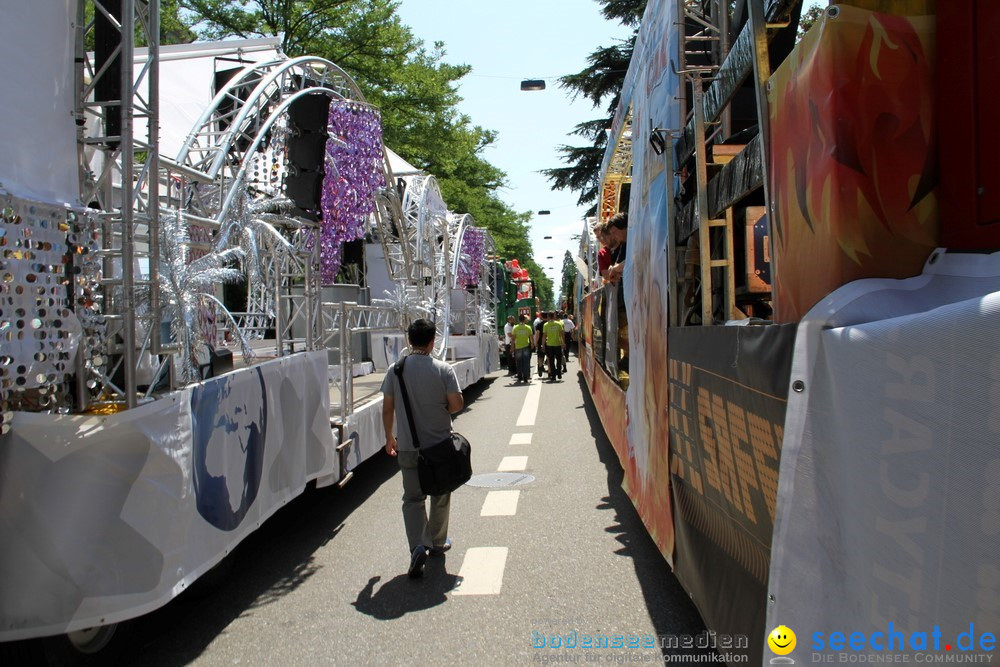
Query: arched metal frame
column 428, row 241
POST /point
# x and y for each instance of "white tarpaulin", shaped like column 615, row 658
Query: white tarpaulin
column 103, row 518
column 38, row 156
column 889, row 497
column 187, row 82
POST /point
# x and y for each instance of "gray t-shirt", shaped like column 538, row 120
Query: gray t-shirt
column 428, row 383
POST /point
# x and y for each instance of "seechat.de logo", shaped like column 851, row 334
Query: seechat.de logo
column 781, row 641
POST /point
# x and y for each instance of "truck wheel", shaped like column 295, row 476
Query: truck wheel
column 102, row 645
column 92, row 640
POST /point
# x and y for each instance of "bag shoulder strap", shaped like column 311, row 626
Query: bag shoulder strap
column 406, row 401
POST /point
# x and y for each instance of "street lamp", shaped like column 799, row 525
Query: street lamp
column 546, row 237
column 544, row 212
column 533, row 84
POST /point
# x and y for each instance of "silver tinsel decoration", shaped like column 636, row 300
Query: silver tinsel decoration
column 253, row 227
column 487, row 318
column 187, row 286
column 409, row 304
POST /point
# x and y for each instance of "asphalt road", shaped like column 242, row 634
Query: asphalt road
column 324, row 581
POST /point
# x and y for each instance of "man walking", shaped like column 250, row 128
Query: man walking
column 539, row 341
column 508, row 351
column 524, row 345
column 434, row 395
column 552, row 330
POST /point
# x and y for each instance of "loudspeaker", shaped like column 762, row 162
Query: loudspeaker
column 304, row 188
column 219, row 362
column 107, row 38
column 354, row 252
column 309, row 113
column 307, row 118
column 306, row 152
column 223, row 121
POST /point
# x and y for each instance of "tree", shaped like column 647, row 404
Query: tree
column 415, row 90
column 601, row 80
column 809, row 17
column 569, row 271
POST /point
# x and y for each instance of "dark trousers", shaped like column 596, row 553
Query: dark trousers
column 508, row 353
column 541, row 360
column 554, row 354
column 523, row 364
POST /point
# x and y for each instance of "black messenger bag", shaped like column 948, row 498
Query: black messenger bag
column 444, row 466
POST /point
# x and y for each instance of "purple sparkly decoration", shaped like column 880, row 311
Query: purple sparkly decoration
column 473, row 254
column 353, row 173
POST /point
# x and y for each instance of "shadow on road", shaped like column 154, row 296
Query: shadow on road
column 270, row 563
column 670, row 608
column 277, row 559
column 401, row 594
column 474, row 393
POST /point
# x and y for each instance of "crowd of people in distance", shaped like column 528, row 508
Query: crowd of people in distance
column 550, row 337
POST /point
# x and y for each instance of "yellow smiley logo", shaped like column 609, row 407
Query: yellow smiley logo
column 781, row 640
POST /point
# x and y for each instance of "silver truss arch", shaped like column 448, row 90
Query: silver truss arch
column 426, row 238
column 209, row 150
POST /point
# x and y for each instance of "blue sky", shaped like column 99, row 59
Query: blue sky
column 505, row 42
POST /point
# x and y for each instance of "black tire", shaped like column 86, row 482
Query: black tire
column 104, row 645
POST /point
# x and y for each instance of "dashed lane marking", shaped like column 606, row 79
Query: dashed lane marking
column 500, row 503
column 520, row 439
column 512, row 463
column 530, row 409
column 482, row 571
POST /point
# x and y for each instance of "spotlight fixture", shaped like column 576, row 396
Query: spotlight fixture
column 658, row 140
column 533, row 84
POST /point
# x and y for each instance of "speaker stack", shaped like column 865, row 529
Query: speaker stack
column 306, row 150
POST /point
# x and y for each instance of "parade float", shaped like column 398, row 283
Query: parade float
column 799, row 370
column 207, row 255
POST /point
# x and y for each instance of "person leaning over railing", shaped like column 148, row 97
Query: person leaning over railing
column 618, row 232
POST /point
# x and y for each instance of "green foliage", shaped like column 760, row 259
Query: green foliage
column 569, row 274
column 173, row 28
column 416, row 91
column 601, row 81
column 808, row 19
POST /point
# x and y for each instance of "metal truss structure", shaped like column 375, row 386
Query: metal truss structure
column 725, row 50
column 341, row 321
column 206, row 186
column 619, row 170
column 227, row 175
column 725, row 164
column 120, row 175
column 420, row 253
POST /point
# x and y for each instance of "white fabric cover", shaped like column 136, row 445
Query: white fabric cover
column 106, row 518
column 38, row 155
column 889, row 493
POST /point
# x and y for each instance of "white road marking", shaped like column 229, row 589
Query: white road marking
column 512, row 463
column 500, row 503
column 520, row 439
column 530, row 408
column 482, row 571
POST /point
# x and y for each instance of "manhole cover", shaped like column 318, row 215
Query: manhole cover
column 492, row 480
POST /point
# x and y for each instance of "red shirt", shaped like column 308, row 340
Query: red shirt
column 603, row 260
